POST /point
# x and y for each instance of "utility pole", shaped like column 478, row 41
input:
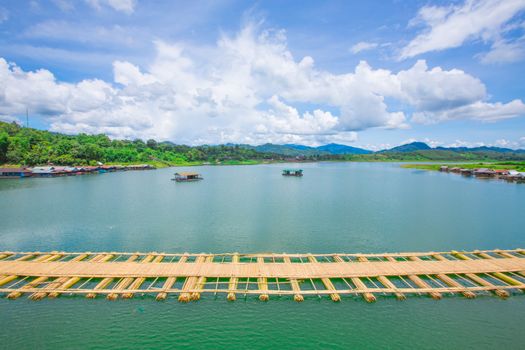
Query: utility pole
column 27, row 117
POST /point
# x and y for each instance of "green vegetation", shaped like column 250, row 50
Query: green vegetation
column 519, row 166
column 436, row 155
column 26, row 146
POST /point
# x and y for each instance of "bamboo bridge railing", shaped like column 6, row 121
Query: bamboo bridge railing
column 299, row 276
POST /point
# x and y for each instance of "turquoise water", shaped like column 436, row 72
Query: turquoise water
column 335, row 207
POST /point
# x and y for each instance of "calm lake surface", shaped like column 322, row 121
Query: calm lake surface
column 335, row 207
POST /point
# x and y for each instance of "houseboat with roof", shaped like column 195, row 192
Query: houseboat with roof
column 187, row 176
column 293, row 172
column 14, row 173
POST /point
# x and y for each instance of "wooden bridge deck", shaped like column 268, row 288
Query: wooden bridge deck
column 186, row 275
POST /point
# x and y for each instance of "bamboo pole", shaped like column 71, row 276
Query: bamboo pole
column 387, row 283
column 439, row 257
column 337, row 258
column 422, row 284
column 105, row 281
column 508, row 279
column 483, row 255
column 7, row 279
column 294, row 283
column 232, row 285
column 67, row 284
column 33, row 284
column 369, row 297
column 201, row 281
column 449, row 281
column 170, row 281
column 125, row 282
column 505, row 254
column 499, row 292
column 262, row 283
column 138, row 281
column 189, row 285
column 43, row 258
column 326, row 281
column 59, row 282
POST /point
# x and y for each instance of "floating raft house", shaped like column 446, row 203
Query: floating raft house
column 188, row 276
column 187, row 177
column 292, row 172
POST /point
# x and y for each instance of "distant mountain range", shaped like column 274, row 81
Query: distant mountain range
column 409, row 147
column 293, row 150
column 421, row 146
column 302, row 150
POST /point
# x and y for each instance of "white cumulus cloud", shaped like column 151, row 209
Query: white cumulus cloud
column 362, row 46
column 126, row 6
column 248, row 88
column 451, row 26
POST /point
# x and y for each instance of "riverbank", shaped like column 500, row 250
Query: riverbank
column 518, row 166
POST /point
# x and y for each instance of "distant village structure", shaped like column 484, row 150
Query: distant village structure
column 487, row 173
column 55, row 171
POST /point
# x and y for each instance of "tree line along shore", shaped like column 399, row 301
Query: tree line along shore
column 21, row 146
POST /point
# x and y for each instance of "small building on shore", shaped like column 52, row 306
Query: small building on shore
column 443, row 168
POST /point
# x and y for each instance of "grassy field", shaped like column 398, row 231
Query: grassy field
column 519, row 166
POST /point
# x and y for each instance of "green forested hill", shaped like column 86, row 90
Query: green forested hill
column 26, row 146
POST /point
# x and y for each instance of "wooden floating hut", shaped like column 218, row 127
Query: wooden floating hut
column 466, row 172
column 484, row 173
column 293, row 172
column 139, row 167
column 187, row 176
column 14, row 173
column 514, row 176
column 297, row 276
column 54, row 171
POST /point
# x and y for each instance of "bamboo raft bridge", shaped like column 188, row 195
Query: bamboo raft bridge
column 187, row 276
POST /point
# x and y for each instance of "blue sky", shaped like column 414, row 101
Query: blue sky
column 373, row 74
